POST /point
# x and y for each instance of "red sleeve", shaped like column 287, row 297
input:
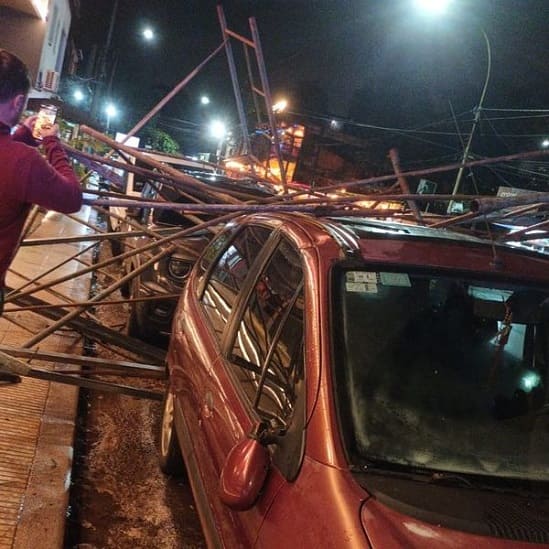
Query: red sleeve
column 53, row 184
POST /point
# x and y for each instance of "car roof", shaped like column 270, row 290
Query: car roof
column 350, row 232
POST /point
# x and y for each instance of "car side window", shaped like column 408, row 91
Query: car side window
column 229, row 273
column 267, row 351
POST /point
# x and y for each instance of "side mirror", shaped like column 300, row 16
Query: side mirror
column 243, row 474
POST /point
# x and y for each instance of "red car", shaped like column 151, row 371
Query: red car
column 342, row 382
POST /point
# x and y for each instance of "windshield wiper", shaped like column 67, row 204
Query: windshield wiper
column 517, row 487
column 449, row 479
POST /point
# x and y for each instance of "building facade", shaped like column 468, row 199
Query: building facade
column 37, row 31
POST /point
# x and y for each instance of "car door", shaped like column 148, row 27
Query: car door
column 259, row 379
column 201, row 384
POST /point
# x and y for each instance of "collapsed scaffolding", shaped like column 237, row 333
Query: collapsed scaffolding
column 207, row 209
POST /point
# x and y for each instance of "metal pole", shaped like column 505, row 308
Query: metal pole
column 234, row 78
column 107, row 291
column 99, row 88
column 170, row 95
column 252, row 83
column 393, row 155
column 11, row 296
column 176, row 175
column 268, row 99
column 476, row 119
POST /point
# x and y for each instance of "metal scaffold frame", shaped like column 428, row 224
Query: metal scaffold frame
column 351, row 198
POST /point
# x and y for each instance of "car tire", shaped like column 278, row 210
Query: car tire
column 116, row 244
column 136, row 320
column 169, row 452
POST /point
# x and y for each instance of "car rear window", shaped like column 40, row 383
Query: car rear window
column 268, row 348
column 229, row 273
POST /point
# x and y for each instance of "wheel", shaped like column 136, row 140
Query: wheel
column 169, row 452
column 137, row 319
column 116, row 244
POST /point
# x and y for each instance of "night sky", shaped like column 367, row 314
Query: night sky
column 375, row 62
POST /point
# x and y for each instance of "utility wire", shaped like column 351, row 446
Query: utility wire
column 515, row 110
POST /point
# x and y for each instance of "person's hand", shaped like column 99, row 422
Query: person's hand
column 30, row 122
column 48, row 130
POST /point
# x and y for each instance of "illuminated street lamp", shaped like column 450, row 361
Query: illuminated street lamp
column 204, row 100
column 111, row 111
column 218, row 130
column 148, row 34
column 433, row 6
column 279, row 106
column 545, row 143
column 78, row 95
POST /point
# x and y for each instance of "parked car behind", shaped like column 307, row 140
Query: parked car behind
column 353, row 383
column 151, row 320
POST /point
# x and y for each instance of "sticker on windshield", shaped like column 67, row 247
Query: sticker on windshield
column 369, row 282
column 395, row 279
column 361, row 282
column 361, row 287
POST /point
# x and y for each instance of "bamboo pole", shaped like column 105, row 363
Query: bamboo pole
column 65, row 298
column 429, row 171
column 175, row 174
column 175, row 91
column 146, row 231
column 536, row 227
column 107, row 291
column 17, row 367
column 155, row 297
column 118, row 235
column 87, row 361
column 307, row 207
column 393, row 155
column 165, row 240
column 52, row 269
column 99, row 332
column 161, row 177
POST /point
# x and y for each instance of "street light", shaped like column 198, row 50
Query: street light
column 279, row 106
column 433, row 6
column 218, row 130
column 204, row 100
column 78, row 95
column 438, row 6
column 111, row 111
column 148, row 34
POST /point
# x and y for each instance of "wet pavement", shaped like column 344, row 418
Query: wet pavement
column 37, row 418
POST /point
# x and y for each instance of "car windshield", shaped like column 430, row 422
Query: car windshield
column 442, row 373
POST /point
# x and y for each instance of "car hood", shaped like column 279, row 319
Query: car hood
column 386, row 527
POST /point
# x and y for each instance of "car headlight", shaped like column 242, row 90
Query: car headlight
column 179, row 268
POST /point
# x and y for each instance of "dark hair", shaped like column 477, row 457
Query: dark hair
column 14, row 76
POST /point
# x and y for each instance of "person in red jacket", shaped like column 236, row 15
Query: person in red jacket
column 26, row 177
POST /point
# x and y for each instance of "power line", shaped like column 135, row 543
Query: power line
column 516, row 110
